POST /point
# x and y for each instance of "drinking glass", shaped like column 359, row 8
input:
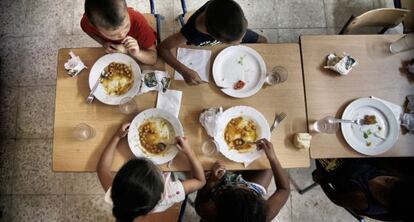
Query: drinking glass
column 326, row 125
column 209, row 147
column 403, row 44
column 277, row 75
column 83, row 132
column 128, row 105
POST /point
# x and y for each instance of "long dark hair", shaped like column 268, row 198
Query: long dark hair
column 136, row 189
column 239, row 204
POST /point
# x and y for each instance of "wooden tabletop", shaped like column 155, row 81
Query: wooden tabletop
column 378, row 73
column 70, row 110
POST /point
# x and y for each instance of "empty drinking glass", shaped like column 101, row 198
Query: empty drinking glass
column 277, row 75
column 83, row 132
column 209, row 148
column 326, row 125
column 128, row 105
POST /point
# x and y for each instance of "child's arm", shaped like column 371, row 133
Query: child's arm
column 147, row 56
column 199, row 179
column 164, row 49
column 104, row 165
column 281, row 195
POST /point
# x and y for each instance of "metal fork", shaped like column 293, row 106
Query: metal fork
column 90, row 97
column 278, row 119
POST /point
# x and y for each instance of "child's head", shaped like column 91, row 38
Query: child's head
column 401, row 198
column 225, row 21
column 136, row 189
column 239, row 204
column 110, row 17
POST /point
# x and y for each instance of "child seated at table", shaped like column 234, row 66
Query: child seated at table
column 120, row 29
column 366, row 188
column 217, row 21
column 140, row 187
column 229, row 196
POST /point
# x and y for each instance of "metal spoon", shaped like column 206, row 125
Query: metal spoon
column 162, row 146
column 359, row 122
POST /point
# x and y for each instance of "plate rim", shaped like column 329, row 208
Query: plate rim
column 137, row 150
column 92, row 80
column 256, row 55
column 389, row 115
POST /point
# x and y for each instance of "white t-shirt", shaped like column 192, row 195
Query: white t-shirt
column 173, row 193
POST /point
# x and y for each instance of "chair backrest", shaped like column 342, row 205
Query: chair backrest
column 409, row 19
column 171, row 214
column 382, row 17
column 187, row 16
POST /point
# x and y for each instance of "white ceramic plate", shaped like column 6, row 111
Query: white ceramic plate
column 99, row 66
column 239, row 63
column 370, row 139
column 133, row 136
column 263, row 131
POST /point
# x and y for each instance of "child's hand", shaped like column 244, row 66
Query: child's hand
column 131, row 46
column 218, row 170
column 264, row 144
column 113, row 48
column 123, row 130
column 192, row 78
column 183, row 145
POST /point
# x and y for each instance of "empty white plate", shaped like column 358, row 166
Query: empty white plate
column 371, row 139
column 236, row 63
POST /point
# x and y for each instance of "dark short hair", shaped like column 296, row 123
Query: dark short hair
column 136, row 189
column 108, row 14
column 402, row 195
column 239, row 204
column 225, row 20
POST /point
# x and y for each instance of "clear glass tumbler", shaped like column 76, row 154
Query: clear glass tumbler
column 128, row 105
column 83, row 132
column 277, row 75
column 209, row 148
column 326, row 125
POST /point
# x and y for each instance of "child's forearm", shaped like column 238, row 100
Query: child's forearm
column 147, row 56
column 280, row 176
column 104, row 165
column 170, row 59
column 196, row 168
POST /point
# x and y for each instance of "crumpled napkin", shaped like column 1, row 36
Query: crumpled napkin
column 74, row 65
column 396, row 109
column 195, row 59
column 154, row 80
column 340, row 64
column 170, row 101
column 208, row 119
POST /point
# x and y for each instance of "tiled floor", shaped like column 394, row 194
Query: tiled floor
column 30, row 34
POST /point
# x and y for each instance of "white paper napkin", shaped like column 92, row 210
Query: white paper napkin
column 396, row 109
column 170, row 101
column 195, row 59
column 209, row 118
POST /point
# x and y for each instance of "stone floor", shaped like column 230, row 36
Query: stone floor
column 30, row 34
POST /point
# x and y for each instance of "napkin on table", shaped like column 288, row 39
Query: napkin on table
column 170, row 101
column 396, row 109
column 195, row 59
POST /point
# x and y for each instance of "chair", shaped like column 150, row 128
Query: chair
column 306, row 189
column 183, row 18
column 382, row 17
column 408, row 21
column 154, row 20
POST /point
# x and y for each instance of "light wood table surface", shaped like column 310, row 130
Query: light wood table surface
column 378, row 73
column 70, row 110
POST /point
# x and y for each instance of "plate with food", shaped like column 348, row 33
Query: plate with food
column 239, row 71
column 119, row 76
column 238, row 129
column 152, row 134
column 379, row 130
